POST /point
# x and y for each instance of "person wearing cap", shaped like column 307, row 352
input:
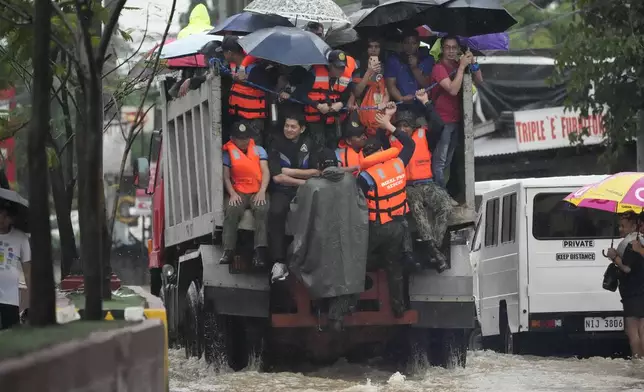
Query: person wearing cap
column 426, row 198
column 291, row 161
column 384, row 187
column 246, row 102
column 246, row 178
column 349, row 151
column 325, row 92
column 15, row 260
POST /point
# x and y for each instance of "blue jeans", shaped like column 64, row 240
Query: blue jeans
column 444, row 152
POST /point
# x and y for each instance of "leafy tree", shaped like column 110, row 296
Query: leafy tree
column 603, row 57
column 540, row 25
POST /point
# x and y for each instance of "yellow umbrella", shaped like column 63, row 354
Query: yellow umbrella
column 618, row 193
column 199, row 22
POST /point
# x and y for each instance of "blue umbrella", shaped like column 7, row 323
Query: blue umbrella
column 248, row 22
column 289, row 46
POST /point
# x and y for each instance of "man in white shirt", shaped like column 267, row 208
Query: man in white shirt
column 15, row 258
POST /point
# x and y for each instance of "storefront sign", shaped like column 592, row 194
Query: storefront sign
column 548, row 128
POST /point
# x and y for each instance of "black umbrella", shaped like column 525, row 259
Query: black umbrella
column 248, row 22
column 289, row 46
column 394, row 11
column 468, row 18
column 338, row 38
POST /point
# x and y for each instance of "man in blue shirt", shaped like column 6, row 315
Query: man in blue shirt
column 408, row 72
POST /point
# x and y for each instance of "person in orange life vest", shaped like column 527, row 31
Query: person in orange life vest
column 384, row 187
column 349, row 151
column 370, row 88
column 246, row 102
column 325, row 91
column 430, row 204
column 246, row 178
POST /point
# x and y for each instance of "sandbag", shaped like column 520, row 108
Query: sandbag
column 330, row 225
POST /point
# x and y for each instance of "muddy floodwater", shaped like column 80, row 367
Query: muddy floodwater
column 486, row 372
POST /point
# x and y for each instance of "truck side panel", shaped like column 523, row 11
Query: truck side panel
column 192, row 148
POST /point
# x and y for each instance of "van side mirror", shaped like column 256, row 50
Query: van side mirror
column 142, row 173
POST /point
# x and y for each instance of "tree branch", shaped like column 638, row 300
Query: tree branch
column 108, row 31
column 127, row 60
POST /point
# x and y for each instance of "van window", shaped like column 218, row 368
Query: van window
column 554, row 219
column 509, row 218
column 492, row 222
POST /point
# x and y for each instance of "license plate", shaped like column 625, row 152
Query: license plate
column 592, row 324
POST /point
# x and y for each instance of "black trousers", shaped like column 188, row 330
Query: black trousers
column 277, row 213
column 9, row 316
column 385, row 251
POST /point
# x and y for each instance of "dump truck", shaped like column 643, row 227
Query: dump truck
column 232, row 314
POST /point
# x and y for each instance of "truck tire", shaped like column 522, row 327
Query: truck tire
column 214, row 338
column 448, row 348
column 475, row 341
column 155, row 281
column 507, row 340
column 191, row 322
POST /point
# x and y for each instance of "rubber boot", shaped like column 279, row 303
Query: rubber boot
column 259, row 258
column 227, row 257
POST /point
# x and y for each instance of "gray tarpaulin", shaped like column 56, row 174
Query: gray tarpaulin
column 329, row 250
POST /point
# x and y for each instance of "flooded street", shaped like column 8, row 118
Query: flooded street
column 486, row 372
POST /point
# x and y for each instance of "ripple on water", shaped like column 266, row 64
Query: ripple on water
column 486, row 371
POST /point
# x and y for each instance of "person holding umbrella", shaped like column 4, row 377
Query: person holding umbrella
column 246, row 102
column 629, row 259
column 326, row 91
column 15, row 258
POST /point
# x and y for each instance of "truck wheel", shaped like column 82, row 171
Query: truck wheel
column 191, row 322
column 475, row 341
column 448, row 348
column 214, row 342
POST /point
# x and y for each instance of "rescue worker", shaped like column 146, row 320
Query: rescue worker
column 291, row 162
column 326, row 91
column 349, row 151
column 384, row 187
column 246, row 102
column 430, row 204
column 246, row 178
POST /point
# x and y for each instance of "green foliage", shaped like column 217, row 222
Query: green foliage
column 602, row 55
column 540, row 28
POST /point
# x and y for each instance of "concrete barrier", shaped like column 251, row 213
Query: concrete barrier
column 128, row 359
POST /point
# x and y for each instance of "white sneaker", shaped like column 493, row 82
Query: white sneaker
column 279, row 272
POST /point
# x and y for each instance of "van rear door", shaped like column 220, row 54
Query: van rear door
column 565, row 261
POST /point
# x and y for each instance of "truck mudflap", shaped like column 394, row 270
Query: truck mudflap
column 233, row 294
column 446, row 300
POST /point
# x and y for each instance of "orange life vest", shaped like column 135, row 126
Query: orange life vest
column 379, row 157
column 246, row 101
column 322, row 92
column 347, row 156
column 374, row 96
column 389, row 196
column 245, row 170
column 420, row 165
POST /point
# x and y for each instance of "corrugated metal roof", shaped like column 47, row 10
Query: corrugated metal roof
column 488, row 146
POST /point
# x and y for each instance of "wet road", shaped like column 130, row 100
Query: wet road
column 486, row 372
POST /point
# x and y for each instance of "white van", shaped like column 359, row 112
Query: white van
column 538, row 264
